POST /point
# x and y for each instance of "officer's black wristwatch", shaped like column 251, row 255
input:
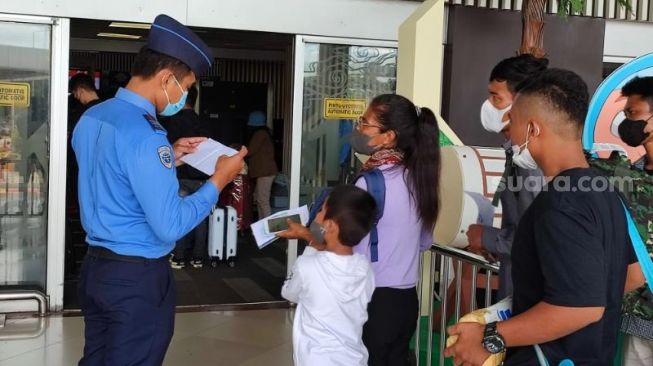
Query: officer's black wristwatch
column 493, row 342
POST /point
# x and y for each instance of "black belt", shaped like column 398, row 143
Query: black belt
column 101, row 252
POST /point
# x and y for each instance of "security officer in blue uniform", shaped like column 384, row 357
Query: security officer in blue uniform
column 130, row 206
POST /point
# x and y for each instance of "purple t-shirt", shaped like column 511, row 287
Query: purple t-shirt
column 401, row 234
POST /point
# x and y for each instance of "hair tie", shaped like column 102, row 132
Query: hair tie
column 418, row 110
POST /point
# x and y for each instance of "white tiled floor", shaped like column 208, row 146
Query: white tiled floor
column 238, row 338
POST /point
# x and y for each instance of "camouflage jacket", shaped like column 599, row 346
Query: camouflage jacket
column 637, row 305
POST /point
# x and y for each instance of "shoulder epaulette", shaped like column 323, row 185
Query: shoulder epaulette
column 154, row 123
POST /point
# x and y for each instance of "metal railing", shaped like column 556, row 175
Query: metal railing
column 447, row 257
column 34, row 331
column 38, row 296
column 17, row 295
column 640, row 10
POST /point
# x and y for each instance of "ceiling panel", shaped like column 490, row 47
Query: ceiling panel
column 217, row 38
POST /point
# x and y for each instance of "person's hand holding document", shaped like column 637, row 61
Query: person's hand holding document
column 265, row 231
column 222, row 163
column 185, row 146
column 206, row 156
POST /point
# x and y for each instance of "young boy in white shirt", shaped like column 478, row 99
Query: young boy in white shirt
column 330, row 283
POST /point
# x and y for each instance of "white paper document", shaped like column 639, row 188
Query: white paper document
column 259, row 228
column 207, row 154
column 485, row 208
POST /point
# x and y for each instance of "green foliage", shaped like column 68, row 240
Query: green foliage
column 573, row 7
column 570, row 7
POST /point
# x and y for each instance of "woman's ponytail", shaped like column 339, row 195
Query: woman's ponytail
column 424, row 167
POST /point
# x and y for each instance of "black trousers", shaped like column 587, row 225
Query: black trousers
column 129, row 310
column 198, row 237
column 391, row 323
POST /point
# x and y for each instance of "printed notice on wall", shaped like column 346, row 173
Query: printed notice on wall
column 14, row 94
column 339, row 108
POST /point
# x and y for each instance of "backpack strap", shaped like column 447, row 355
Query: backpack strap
column 645, row 260
column 376, row 187
column 317, row 205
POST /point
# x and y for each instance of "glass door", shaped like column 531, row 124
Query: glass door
column 335, row 79
column 27, row 93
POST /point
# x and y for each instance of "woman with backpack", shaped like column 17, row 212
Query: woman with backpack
column 402, row 141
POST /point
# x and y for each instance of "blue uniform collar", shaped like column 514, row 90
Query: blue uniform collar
column 137, row 100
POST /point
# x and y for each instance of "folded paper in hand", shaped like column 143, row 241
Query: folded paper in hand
column 258, row 228
column 207, row 154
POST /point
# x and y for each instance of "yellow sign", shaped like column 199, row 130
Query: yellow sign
column 14, row 94
column 338, row 108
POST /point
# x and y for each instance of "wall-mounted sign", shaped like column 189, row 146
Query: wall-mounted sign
column 14, row 94
column 339, row 108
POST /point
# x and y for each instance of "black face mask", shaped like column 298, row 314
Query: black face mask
column 360, row 143
column 632, row 132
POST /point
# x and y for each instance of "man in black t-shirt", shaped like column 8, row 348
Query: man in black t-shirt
column 82, row 87
column 84, row 96
column 571, row 254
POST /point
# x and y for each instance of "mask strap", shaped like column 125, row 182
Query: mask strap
column 166, row 93
column 179, row 85
column 647, row 134
column 528, row 132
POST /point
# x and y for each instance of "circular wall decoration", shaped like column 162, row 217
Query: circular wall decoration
column 606, row 109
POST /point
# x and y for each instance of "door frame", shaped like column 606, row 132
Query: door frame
column 297, row 115
column 58, row 149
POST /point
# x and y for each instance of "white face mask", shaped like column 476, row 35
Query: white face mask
column 521, row 156
column 492, row 117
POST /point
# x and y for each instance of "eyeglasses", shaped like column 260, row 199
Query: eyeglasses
column 362, row 123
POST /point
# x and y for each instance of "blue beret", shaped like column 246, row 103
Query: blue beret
column 174, row 39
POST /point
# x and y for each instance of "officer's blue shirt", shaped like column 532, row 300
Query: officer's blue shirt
column 128, row 189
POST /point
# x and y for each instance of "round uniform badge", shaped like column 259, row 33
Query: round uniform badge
column 165, row 156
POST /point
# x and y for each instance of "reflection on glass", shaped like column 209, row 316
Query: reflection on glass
column 24, row 131
column 337, row 71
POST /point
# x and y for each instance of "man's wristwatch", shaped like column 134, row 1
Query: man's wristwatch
column 493, row 342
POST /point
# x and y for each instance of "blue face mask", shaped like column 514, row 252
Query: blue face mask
column 172, row 109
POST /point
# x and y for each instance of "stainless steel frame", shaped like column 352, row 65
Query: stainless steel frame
column 444, row 256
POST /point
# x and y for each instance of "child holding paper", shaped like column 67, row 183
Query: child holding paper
column 330, row 283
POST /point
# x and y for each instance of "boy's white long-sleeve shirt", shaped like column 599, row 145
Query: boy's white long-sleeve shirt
column 332, row 292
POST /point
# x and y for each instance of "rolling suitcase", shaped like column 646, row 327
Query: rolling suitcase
column 239, row 196
column 223, row 235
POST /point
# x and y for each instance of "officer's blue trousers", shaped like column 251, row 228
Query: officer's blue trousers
column 129, row 311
